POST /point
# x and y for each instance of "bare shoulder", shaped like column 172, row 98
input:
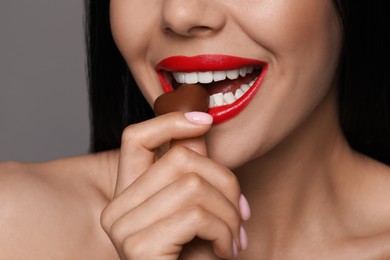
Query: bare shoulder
column 21, row 190
column 370, row 214
column 22, row 194
column 380, row 210
column 374, row 192
column 377, row 190
column 363, row 210
column 45, row 210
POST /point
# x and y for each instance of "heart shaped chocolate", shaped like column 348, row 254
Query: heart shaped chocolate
column 186, row 98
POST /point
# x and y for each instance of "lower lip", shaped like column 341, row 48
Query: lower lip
column 227, row 112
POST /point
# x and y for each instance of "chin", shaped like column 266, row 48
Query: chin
column 229, row 157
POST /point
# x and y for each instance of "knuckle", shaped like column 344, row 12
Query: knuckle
column 230, row 182
column 111, row 224
column 192, row 183
column 196, row 215
column 231, row 185
column 117, row 232
column 180, row 156
column 134, row 248
column 130, row 134
column 106, row 219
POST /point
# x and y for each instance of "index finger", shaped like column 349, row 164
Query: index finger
column 140, row 140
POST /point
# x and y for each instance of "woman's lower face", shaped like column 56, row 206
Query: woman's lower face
column 267, row 64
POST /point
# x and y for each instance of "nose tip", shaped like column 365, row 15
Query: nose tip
column 191, row 18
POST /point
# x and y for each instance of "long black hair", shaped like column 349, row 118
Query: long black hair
column 115, row 100
column 364, row 96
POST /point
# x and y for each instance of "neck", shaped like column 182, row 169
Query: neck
column 296, row 179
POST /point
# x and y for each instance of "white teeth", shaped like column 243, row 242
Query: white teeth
column 220, row 99
column 210, row 76
column 191, row 78
column 211, row 102
column 229, row 98
column 205, row 77
column 245, row 87
column 243, row 72
column 232, row 74
column 239, row 93
column 179, row 77
column 219, row 75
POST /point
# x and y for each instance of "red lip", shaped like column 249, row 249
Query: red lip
column 205, row 63
column 212, row 63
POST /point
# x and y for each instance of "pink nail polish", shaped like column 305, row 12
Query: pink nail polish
column 243, row 238
column 199, row 118
column 244, row 208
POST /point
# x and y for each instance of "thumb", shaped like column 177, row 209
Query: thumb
column 197, row 143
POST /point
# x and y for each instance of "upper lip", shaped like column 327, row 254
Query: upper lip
column 206, row 62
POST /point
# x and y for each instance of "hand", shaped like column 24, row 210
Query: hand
column 159, row 206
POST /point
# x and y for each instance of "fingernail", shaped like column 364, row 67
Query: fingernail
column 235, row 249
column 243, row 238
column 244, row 208
column 199, row 118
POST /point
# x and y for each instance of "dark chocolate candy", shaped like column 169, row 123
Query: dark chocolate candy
column 186, row 98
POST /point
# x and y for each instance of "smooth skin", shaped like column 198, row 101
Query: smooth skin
column 310, row 195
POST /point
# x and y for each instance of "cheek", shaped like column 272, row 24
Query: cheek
column 287, row 27
column 303, row 39
column 131, row 24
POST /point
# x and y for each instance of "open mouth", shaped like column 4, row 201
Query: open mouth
column 224, row 87
column 230, row 81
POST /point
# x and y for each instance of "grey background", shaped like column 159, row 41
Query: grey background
column 43, row 93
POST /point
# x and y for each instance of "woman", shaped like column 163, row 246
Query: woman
column 319, row 88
